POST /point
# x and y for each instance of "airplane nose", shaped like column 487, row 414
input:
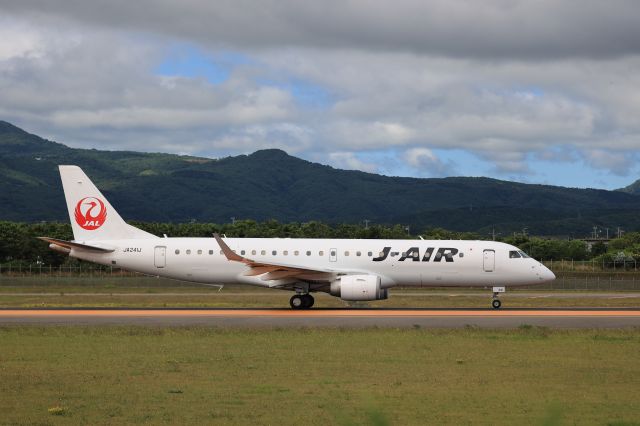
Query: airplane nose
column 543, row 274
column 546, row 273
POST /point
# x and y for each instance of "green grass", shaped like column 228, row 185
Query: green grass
column 138, row 375
column 101, row 284
column 25, row 292
column 280, row 299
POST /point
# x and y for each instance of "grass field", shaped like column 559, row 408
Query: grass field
column 277, row 299
column 137, row 375
column 153, row 292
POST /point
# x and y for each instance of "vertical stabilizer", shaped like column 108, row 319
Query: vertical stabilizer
column 92, row 216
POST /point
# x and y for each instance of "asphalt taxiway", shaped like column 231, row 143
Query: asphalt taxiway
column 339, row 317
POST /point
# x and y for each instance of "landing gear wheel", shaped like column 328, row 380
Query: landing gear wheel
column 308, row 300
column 301, row 301
column 297, row 302
column 496, row 304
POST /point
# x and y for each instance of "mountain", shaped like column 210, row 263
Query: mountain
column 272, row 184
column 634, row 188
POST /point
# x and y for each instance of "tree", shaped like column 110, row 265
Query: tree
column 598, row 248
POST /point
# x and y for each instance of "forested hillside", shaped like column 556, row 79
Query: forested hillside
column 270, row 184
column 634, row 188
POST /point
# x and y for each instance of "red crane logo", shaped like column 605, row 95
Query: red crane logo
column 90, row 213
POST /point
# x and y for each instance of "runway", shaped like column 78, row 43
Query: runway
column 478, row 294
column 350, row 318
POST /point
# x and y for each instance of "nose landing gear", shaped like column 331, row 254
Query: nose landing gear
column 301, row 301
column 495, row 303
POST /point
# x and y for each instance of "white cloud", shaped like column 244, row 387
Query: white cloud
column 286, row 136
column 395, row 79
column 509, row 163
column 18, row 40
column 426, row 163
column 349, row 161
column 616, row 163
column 457, row 28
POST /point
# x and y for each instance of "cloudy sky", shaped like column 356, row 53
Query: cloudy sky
column 543, row 91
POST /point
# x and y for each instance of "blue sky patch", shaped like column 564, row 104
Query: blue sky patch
column 305, row 93
column 191, row 62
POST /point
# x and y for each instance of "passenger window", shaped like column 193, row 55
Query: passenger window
column 177, row 251
column 188, row 251
column 320, row 253
column 295, row 253
column 199, row 251
column 242, row 252
column 461, row 254
column 358, row 253
column 274, row 252
column 308, row 253
column 346, row 253
column 221, row 252
column 369, row 254
column 381, row 254
column 253, row 252
column 263, row 252
column 333, row 253
column 210, row 252
column 514, row 255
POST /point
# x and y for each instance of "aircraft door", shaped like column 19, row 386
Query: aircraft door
column 333, row 255
column 489, row 260
column 160, row 257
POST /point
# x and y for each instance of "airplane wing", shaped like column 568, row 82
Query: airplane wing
column 277, row 271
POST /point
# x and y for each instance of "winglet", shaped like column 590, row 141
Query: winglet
column 227, row 251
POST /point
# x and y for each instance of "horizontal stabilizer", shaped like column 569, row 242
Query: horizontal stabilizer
column 78, row 246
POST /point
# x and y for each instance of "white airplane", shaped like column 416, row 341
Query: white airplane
column 354, row 270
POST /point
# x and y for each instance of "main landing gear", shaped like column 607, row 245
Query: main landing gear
column 496, row 302
column 301, row 301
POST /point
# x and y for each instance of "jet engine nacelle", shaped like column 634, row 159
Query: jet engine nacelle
column 358, row 287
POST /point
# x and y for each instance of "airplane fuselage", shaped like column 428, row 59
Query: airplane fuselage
column 428, row 263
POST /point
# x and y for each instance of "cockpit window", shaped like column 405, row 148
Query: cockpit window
column 523, row 254
column 513, row 254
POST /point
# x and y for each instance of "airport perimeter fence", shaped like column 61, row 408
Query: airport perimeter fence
column 571, row 275
column 571, row 265
column 586, row 281
column 62, row 271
